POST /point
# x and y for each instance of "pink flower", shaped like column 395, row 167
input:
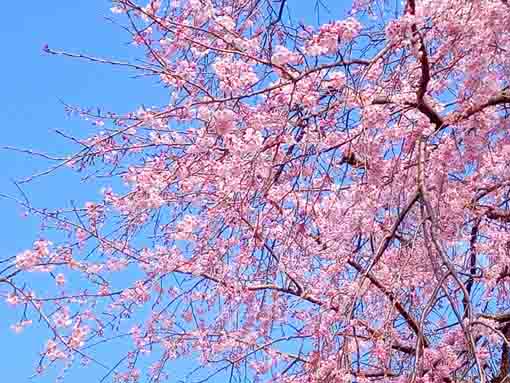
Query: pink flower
column 12, row 299
column 53, row 352
column 81, row 235
column 226, row 22
column 78, row 335
column 61, row 318
column 27, row 259
column 224, row 121
column 117, row 10
column 283, row 55
column 60, row 279
column 393, row 30
column 337, row 79
column 104, row 290
column 19, row 327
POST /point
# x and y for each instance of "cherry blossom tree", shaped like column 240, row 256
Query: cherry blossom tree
column 325, row 203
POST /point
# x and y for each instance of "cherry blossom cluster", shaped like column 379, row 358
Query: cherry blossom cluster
column 310, row 204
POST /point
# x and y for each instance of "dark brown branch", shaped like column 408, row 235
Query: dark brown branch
column 499, row 99
column 391, row 296
column 500, row 215
column 421, row 104
column 500, row 318
column 472, row 263
column 504, row 369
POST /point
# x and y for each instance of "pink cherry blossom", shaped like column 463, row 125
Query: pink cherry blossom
column 12, row 299
column 306, row 203
column 60, row 279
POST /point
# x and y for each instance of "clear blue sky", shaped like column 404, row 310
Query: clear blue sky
column 31, row 85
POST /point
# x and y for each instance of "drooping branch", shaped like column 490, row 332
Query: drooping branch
column 411, row 322
column 499, row 99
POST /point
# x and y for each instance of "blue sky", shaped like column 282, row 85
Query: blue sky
column 31, row 85
column 30, row 111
